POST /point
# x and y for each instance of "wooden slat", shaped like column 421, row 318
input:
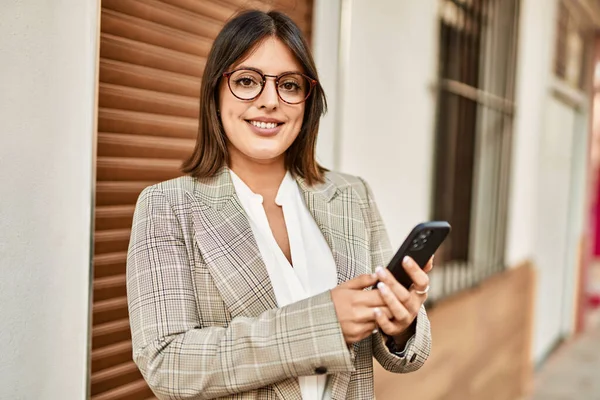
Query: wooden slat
column 111, row 241
column 127, row 50
column 118, row 193
column 299, row 11
column 109, row 264
column 110, row 333
column 218, row 10
column 110, row 287
column 110, row 356
column 167, row 15
column 112, row 378
column 110, row 310
column 223, row 10
column 136, row 390
column 141, row 30
column 121, row 145
column 128, row 169
column 147, row 101
column 123, row 121
column 296, row 6
column 114, row 217
column 142, row 77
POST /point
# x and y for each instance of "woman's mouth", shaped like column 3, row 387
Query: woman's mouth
column 265, row 128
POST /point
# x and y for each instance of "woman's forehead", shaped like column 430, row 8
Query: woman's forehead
column 271, row 56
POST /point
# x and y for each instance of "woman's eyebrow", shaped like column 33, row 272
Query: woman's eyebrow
column 242, row 66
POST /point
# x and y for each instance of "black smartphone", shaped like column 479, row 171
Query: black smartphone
column 422, row 243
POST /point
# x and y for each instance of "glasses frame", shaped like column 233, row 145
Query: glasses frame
column 313, row 83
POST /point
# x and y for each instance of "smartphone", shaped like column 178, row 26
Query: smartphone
column 422, row 243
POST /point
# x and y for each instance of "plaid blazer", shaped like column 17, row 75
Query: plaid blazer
column 204, row 320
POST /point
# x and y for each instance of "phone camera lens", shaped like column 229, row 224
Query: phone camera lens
column 424, row 235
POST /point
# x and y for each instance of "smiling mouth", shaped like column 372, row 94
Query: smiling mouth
column 264, row 125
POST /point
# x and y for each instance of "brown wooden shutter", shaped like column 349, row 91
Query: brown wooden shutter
column 152, row 55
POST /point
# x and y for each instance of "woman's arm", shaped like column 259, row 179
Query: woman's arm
column 182, row 357
column 418, row 346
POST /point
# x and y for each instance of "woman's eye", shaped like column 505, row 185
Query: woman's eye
column 245, row 82
column 289, row 86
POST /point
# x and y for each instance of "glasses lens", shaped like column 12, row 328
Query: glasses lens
column 293, row 88
column 245, row 84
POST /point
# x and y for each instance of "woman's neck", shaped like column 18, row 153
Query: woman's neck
column 263, row 178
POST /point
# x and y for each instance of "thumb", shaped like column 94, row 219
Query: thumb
column 360, row 282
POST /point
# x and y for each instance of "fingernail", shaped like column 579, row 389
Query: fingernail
column 405, row 261
column 382, row 288
column 380, row 272
column 377, row 311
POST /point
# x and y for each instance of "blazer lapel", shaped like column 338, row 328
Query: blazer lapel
column 229, row 248
column 340, row 219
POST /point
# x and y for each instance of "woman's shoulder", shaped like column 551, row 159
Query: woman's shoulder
column 347, row 181
column 178, row 190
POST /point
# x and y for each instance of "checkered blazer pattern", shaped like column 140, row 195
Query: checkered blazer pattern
column 204, row 319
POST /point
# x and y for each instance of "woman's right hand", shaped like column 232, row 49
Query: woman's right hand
column 355, row 307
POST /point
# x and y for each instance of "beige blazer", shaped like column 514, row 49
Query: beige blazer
column 204, row 319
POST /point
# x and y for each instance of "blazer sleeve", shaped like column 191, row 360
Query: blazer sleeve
column 182, row 358
column 419, row 346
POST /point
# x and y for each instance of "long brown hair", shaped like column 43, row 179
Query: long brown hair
column 237, row 38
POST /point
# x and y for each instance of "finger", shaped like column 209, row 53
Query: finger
column 386, row 277
column 384, row 323
column 429, row 265
column 386, row 312
column 370, row 298
column 398, row 309
column 360, row 282
column 417, row 275
column 365, row 315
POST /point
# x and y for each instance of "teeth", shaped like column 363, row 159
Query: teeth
column 264, row 125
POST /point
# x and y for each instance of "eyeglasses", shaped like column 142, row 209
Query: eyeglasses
column 248, row 84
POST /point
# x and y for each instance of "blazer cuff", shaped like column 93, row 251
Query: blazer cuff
column 317, row 327
column 413, row 356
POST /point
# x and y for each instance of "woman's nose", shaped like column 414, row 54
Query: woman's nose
column 269, row 98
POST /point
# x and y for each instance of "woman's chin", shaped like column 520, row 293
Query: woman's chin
column 264, row 155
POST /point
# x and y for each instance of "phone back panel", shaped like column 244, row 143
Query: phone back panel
column 420, row 245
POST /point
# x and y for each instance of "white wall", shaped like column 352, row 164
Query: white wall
column 534, row 61
column 545, row 180
column 47, row 97
column 325, row 44
column 387, row 111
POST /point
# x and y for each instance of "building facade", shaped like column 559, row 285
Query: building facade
column 475, row 111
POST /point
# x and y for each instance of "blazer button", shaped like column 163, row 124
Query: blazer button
column 413, row 358
column 320, row 370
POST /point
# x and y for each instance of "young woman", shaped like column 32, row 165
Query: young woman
column 246, row 278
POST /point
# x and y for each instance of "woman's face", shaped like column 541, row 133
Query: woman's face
column 261, row 130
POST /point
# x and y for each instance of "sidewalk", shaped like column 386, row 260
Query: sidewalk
column 573, row 372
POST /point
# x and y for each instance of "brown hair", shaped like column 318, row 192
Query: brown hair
column 237, row 38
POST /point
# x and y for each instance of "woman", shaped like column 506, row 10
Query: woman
column 246, row 279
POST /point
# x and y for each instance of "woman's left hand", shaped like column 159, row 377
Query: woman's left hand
column 404, row 304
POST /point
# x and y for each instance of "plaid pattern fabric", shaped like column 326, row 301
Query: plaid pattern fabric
column 203, row 314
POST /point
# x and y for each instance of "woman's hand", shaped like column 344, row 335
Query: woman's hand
column 402, row 303
column 356, row 308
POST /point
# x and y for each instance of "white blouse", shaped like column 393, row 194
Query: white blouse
column 313, row 270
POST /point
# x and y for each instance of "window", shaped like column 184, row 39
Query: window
column 570, row 52
column 477, row 57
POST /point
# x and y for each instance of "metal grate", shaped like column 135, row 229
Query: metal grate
column 477, row 61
